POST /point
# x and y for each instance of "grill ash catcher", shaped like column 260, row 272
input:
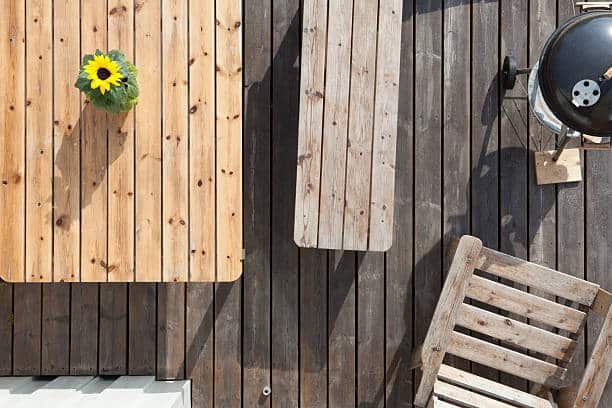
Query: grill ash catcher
column 570, row 91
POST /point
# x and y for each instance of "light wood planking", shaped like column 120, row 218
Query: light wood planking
column 121, row 155
column 481, row 385
column 506, row 360
column 202, row 181
column 12, row 140
column 175, row 133
column 94, row 138
column 517, row 333
column 361, row 125
column 312, row 88
column 148, row 143
column 536, row 276
column 524, row 304
column 335, row 126
column 465, row 397
column 67, row 142
column 384, row 143
column 39, row 142
column 229, row 140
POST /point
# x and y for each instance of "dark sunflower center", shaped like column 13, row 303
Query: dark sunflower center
column 103, row 73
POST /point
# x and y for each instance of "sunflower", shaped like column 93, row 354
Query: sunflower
column 103, row 73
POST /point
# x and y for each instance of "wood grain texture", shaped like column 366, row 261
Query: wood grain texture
column 229, row 140
column 84, row 306
column 385, row 137
column 6, row 329
column 94, row 164
column 55, row 352
column 142, row 328
column 39, row 142
column 148, row 119
column 312, row 102
column 67, row 142
column 27, row 315
column 171, row 330
column 121, row 156
column 335, row 125
column 363, row 72
column 113, row 329
column 202, row 179
column 175, row 183
column 12, row 142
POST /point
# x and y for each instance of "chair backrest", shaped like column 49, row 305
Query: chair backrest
column 534, row 334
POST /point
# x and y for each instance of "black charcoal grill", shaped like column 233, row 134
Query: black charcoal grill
column 570, row 86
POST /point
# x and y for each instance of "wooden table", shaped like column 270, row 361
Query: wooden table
column 152, row 195
column 348, row 124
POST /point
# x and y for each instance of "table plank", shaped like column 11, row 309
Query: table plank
column 94, row 183
column 175, row 134
column 148, row 118
column 229, row 139
column 361, row 125
column 121, row 156
column 67, row 144
column 202, row 180
column 39, row 141
column 335, row 126
column 12, row 144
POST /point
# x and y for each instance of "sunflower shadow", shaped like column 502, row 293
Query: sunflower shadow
column 88, row 149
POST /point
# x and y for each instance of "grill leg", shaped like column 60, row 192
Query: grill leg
column 562, row 143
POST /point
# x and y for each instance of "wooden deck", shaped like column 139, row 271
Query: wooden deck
column 327, row 328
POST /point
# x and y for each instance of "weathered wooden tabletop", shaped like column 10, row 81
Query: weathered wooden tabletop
column 152, row 195
column 348, row 124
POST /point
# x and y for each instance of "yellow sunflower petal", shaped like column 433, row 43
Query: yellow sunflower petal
column 95, row 83
column 114, row 79
column 102, row 88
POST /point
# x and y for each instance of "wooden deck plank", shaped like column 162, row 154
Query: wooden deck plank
column 229, row 140
column 112, row 343
column 55, row 334
column 148, row 119
column 175, row 183
column 362, row 86
column 84, row 302
column 39, row 142
column 598, row 221
column 227, row 345
column 399, row 263
column 67, row 141
column 121, row 156
column 342, row 331
column 257, row 231
column 12, row 142
column 94, row 145
column 312, row 102
column 6, row 329
column 370, row 329
column 202, row 182
column 27, row 314
column 285, row 269
column 199, row 340
column 171, row 331
column 385, row 138
column 142, row 328
column 335, row 126
column 513, row 153
column 313, row 328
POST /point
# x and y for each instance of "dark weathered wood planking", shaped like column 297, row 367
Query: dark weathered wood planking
column 84, row 310
column 171, row 330
column 142, row 303
column 27, row 314
column 230, row 351
column 6, row 329
column 55, row 352
column 257, row 156
column 285, row 271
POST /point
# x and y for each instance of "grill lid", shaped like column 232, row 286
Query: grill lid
column 572, row 73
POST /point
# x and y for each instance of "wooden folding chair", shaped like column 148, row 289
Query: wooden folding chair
column 540, row 356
